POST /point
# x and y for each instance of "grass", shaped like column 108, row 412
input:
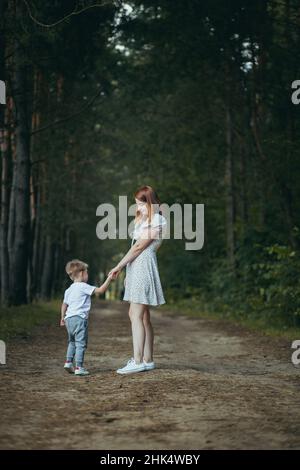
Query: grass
column 263, row 324
column 21, row 320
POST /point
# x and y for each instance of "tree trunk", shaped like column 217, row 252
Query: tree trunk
column 36, row 231
column 4, row 149
column 230, row 204
column 4, row 146
column 47, row 276
column 243, row 172
column 20, row 241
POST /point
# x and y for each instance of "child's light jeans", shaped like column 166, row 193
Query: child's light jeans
column 77, row 328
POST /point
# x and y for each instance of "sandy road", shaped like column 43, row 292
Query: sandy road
column 217, row 386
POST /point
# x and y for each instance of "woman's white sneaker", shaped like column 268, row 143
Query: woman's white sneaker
column 131, row 367
column 149, row 365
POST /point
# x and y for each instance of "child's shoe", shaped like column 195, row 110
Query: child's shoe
column 149, row 365
column 69, row 367
column 131, row 367
column 81, row 371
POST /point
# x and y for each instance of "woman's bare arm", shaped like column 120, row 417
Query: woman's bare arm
column 141, row 244
column 134, row 252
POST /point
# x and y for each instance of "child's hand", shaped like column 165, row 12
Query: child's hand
column 62, row 322
column 115, row 272
column 112, row 276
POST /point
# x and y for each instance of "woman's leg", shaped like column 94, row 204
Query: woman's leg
column 136, row 313
column 129, row 312
column 148, row 346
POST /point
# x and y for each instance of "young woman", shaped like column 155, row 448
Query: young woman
column 142, row 283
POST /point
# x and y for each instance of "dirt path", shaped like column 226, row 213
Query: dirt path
column 216, row 386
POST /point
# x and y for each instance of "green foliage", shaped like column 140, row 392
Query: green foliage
column 21, row 320
column 266, row 285
column 278, row 283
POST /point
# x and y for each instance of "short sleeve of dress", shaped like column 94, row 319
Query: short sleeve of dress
column 159, row 222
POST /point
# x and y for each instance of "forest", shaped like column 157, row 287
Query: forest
column 193, row 98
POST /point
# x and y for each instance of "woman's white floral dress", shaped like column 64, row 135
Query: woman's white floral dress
column 142, row 285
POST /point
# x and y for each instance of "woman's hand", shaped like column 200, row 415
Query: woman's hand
column 114, row 272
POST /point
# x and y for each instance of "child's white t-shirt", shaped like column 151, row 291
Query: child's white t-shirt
column 78, row 299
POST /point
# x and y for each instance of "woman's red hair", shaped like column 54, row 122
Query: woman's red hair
column 148, row 195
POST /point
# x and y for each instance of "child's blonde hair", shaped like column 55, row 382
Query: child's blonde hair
column 74, row 267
